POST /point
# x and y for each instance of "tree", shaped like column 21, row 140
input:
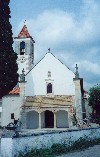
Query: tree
column 94, row 102
column 8, row 64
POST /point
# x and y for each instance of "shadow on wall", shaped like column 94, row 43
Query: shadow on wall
column 62, row 119
column 29, row 89
column 32, row 120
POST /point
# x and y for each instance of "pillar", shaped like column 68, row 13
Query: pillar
column 22, row 86
column 54, row 120
column 23, row 119
column 70, row 120
column 78, row 99
column 78, row 96
column 39, row 120
column 23, row 114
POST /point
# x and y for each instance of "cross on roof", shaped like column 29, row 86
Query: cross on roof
column 24, row 22
column 49, row 50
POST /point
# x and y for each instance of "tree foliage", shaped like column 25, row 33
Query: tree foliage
column 94, row 100
column 8, row 65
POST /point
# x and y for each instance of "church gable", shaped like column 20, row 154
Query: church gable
column 50, row 75
column 51, row 61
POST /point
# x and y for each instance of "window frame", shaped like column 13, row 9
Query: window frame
column 49, row 87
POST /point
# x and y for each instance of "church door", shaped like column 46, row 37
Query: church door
column 49, row 119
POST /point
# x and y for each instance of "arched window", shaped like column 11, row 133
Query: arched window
column 49, row 88
column 22, row 48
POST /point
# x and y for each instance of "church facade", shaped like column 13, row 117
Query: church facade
column 49, row 94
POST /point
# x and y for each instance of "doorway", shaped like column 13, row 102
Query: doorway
column 49, row 119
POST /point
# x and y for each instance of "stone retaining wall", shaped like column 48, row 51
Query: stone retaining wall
column 25, row 141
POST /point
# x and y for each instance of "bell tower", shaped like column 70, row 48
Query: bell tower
column 24, row 47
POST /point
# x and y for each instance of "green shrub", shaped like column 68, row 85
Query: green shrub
column 58, row 148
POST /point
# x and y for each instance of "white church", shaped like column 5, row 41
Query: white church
column 49, row 94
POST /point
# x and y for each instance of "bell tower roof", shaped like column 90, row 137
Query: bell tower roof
column 24, row 33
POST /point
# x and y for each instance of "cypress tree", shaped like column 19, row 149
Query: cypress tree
column 8, row 58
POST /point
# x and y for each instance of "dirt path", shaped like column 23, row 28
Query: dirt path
column 89, row 152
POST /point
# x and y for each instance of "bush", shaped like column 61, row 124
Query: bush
column 58, row 148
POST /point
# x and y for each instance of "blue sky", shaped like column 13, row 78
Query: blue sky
column 71, row 28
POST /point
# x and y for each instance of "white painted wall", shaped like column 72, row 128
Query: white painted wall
column 10, row 104
column 61, row 78
column 44, row 140
column 23, row 63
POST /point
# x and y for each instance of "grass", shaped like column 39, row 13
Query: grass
column 58, row 149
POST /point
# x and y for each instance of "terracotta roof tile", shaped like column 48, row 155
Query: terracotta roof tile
column 24, row 32
column 15, row 91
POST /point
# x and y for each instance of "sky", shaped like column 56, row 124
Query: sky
column 70, row 28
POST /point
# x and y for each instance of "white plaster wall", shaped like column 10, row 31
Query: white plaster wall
column 32, row 120
column 10, row 104
column 46, row 140
column 61, row 78
column 62, row 119
column 24, row 64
